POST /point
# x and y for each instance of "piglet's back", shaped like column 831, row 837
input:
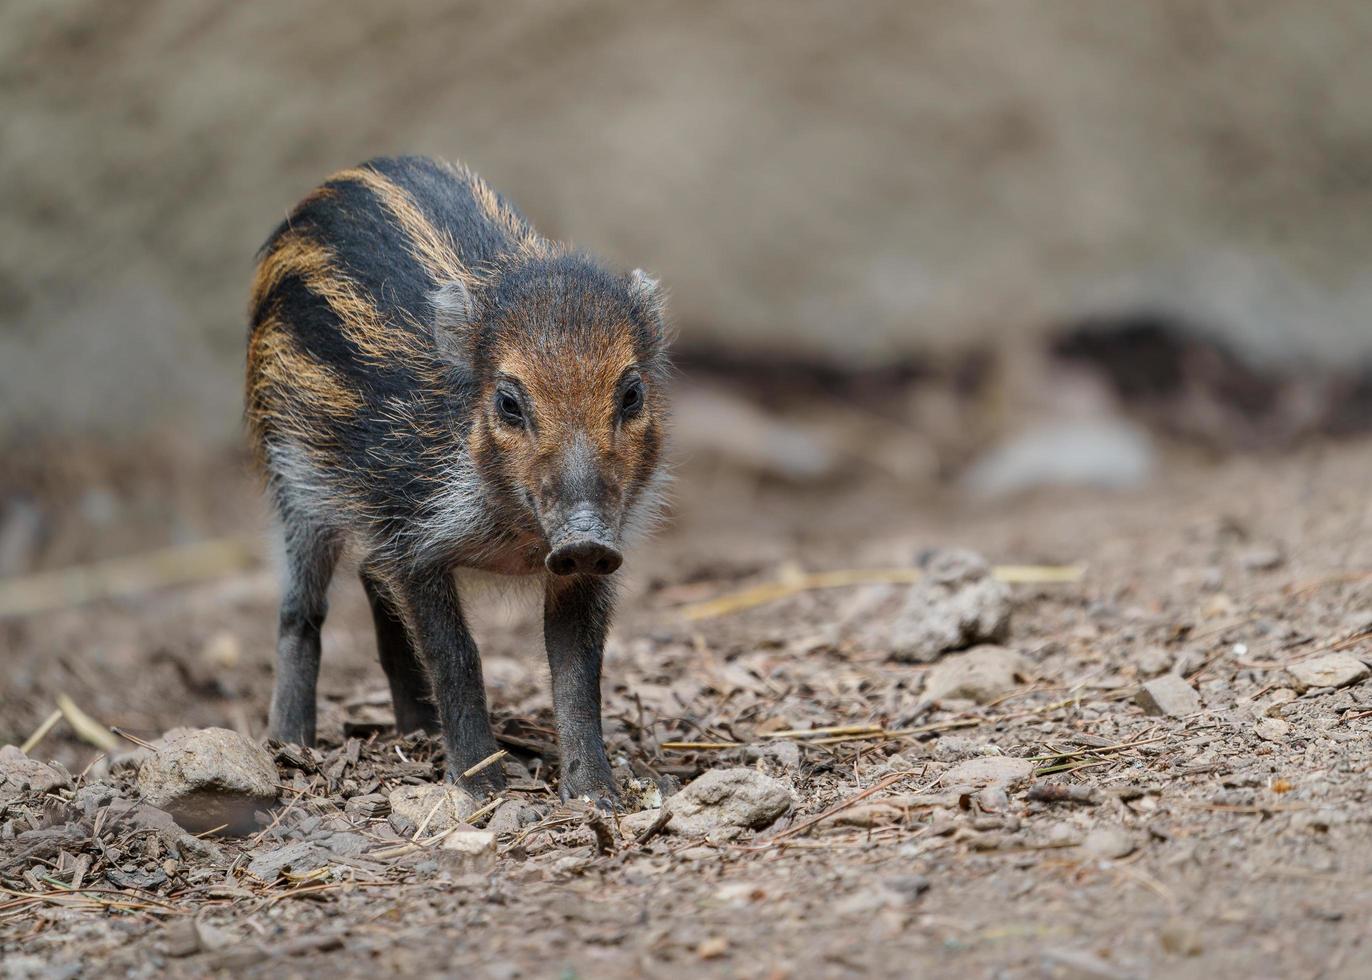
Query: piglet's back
column 340, row 305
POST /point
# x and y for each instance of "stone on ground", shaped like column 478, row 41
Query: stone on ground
column 470, row 844
column 957, row 603
column 1109, row 843
column 989, row 770
column 433, row 808
column 1334, row 670
column 209, row 778
column 981, row 675
column 468, row 852
column 20, row 775
column 303, row 856
column 1262, row 558
column 298, row 857
column 1152, row 661
column 720, row 804
column 1169, row 695
column 511, row 817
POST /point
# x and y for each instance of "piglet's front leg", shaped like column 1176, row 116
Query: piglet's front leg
column 429, row 599
column 576, row 617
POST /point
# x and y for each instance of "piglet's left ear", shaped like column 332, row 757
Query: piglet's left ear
column 454, row 312
column 646, row 292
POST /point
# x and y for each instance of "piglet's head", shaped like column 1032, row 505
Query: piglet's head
column 569, row 364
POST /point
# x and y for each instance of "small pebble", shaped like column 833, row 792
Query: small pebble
column 1333, row 670
column 1169, row 695
column 1109, row 843
column 990, row 770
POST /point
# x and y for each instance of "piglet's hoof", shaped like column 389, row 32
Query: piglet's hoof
column 594, row 788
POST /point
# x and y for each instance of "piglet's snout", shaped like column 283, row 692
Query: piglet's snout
column 584, row 558
column 585, row 546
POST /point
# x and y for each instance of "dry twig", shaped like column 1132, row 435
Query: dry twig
column 1062, row 793
column 490, row 760
column 85, row 726
column 41, row 732
column 771, row 591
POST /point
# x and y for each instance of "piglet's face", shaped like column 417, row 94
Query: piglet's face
column 570, row 411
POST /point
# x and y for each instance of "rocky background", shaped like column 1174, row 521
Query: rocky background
column 855, row 184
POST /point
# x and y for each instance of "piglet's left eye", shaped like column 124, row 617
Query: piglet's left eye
column 632, row 399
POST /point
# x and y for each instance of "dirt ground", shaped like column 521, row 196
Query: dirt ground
column 1234, row 840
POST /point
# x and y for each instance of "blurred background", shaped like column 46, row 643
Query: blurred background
column 978, row 246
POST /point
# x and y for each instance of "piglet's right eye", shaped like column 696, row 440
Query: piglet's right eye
column 507, row 407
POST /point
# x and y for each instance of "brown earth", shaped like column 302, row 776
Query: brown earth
column 1234, row 841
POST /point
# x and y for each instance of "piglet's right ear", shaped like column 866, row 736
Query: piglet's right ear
column 454, row 312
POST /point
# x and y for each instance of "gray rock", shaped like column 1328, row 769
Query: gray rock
column 993, row 799
column 957, row 604
column 304, row 856
column 20, row 775
column 471, row 843
column 979, row 675
column 989, row 770
column 403, row 826
column 210, row 778
column 1152, row 661
column 955, row 748
column 1272, row 730
column 720, row 804
column 468, row 851
column 1332, row 670
column 138, row 815
column 433, row 808
column 1262, row 558
column 1111, row 454
column 897, row 892
column 511, row 817
column 186, row 937
column 43, row 844
column 725, row 802
column 909, row 887
column 93, row 796
column 1169, row 695
column 345, row 843
column 298, row 857
column 1109, row 843
column 783, row 752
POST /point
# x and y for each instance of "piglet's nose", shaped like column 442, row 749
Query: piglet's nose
column 584, row 557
